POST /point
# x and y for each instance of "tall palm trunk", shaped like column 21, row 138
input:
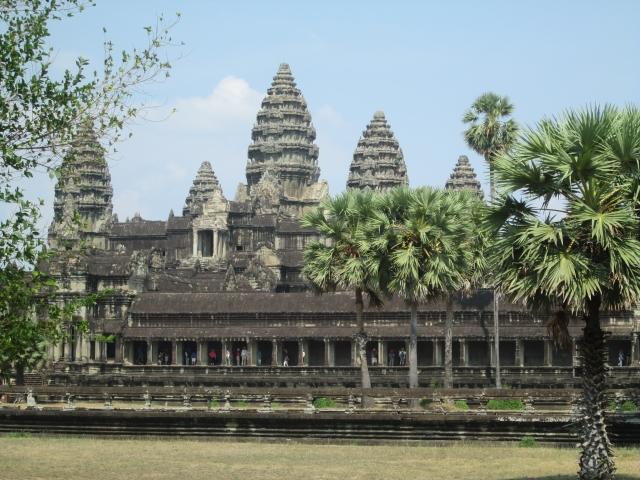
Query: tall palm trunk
column 448, row 344
column 496, row 336
column 361, row 339
column 413, row 347
column 596, row 458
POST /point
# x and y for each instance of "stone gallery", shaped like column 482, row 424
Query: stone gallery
column 218, row 286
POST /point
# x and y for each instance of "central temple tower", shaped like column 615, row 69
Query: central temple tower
column 283, row 145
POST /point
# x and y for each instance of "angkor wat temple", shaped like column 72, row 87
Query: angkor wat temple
column 225, row 276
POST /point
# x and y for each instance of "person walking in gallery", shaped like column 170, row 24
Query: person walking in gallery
column 194, row 358
column 374, row 357
column 402, row 357
column 244, row 354
column 228, row 358
column 392, row 358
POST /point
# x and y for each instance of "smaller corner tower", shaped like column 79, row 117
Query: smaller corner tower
column 464, row 177
column 378, row 162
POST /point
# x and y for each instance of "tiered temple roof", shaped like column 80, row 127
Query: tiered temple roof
column 85, row 191
column 463, row 177
column 203, row 186
column 283, row 138
column 378, row 162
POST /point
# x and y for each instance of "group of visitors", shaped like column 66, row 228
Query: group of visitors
column 394, row 358
column 163, row 358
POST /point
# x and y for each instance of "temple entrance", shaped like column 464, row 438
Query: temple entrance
column 236, row 353
column 425, row 353
column 189, row 353
column 478, row 352
column 533, row 353
column 393, row 354
column 139, row 353
column 264, row 353
column 507, row 353
column 290, row 352
column 342, row 353
column 205, row 243
column 165, row 355
column 372, row 353
column 214, row 353
column 316, row 353
column 619, row 353
column 111, row 348
column 455, row 354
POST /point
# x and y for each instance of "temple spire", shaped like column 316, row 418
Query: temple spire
column 83, row 195
column 283, row 139
column 378, row 162
column 464, row 177
column 203, row 186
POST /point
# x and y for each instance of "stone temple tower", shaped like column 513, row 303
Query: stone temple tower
column 464, row 178
column 283, row 145
column 204, row 185
column 378, row 162
column 83, row 196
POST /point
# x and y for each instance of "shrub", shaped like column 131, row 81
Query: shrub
column 19, row 435
column 426, row 403
column 323, row 402
column 276, row 405
column 629, row 406
column 241, row 404
column 214, row 404
column 505, row 404
column 528, row 441
column 461, row 405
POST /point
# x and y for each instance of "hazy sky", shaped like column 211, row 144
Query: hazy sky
column 421, row 62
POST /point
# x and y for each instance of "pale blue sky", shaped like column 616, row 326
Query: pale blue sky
column 423, row 63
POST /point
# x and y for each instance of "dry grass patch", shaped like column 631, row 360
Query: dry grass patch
column 61, row 458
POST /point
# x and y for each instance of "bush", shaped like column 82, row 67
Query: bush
column 629, row 406
column 19, row 435
column 461, row 405
column 323, row 402
column 214, row 404
column 241, row 404
column 505, row 404
column 426, row 403
column 528, row 441
column 276, row 405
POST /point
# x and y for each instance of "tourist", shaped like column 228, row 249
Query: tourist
column 166, row 358
column 213, row 357
column 374, row 357
column 228, row 358
column 237, row 357
column 304, row 354
column 392, row 357
column 258, row 358
column 244, row 354
column 186, row 358
column 403, row 357
column 620, row 358
column 285, row 362
column 160, row 358
column 194, row 358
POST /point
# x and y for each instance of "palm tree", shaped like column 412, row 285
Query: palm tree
column 477, row 242
column 423, row 240
column 491, row 132
column 342, row 258
column 567, row 240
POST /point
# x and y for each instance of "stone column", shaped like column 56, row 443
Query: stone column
column 202, row 352
column 195, row 243
column 437, row 352
column 275, row 353
column 329, row 359
column 300, row 350
column 150, row 353
column 635, row 349
column 491, row 348
column 575, row 358
column 380, row 348
column 548, row 352
column 464, row 354
column 119, row 347
column 252, row 350
column 215, row 244
column 354, row 354
column 174, row 353
column 383, row 351
column 57, row 352
column 519, row 352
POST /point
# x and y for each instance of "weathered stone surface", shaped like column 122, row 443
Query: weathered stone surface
column 378, row 162
column 463, row 177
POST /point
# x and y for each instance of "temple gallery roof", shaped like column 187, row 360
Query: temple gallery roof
column 154, row 303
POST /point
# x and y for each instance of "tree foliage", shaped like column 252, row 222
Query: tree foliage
column 40, row 114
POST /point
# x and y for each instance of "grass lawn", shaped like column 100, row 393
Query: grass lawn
column 66, row 458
